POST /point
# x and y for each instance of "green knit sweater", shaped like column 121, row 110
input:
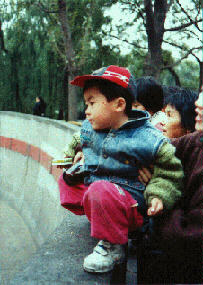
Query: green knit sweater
column 167, row 179
column 71, row 148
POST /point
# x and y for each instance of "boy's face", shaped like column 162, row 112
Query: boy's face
column 199, row 111
column 173, row 127
column 99, row 111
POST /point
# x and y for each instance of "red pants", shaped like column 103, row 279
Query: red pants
column 107, row 206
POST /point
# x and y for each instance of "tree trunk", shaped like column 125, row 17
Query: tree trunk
column 70, row 57
column 201, row 75
column 155, row 19
column 65, row 102
column 17, row 98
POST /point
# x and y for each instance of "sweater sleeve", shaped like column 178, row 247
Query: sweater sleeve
column 73, row 146
column 167, row 179
column 184, row 226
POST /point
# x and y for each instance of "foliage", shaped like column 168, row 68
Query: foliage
column 34, row 65
column 159, row 24
column 34, row 60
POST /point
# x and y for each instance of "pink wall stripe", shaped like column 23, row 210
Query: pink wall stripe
column 34, row 152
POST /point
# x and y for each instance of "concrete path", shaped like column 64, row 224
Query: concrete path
column 60, row 258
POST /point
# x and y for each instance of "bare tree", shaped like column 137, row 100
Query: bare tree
column 150, row 17
column 70, row 68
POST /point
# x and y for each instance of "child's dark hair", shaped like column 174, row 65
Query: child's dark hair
column 184, row 102
column 111, row 91
column 150, row 93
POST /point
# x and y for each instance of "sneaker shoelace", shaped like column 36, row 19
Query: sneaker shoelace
column 102, row 247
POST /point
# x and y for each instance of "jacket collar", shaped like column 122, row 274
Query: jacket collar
column 136, row 119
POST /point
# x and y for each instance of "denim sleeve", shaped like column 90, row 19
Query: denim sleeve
column 167, row 180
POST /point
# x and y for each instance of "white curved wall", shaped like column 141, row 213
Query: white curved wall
column 29, row 197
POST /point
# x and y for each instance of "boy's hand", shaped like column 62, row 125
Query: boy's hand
column 79, row 157
column 156, row 207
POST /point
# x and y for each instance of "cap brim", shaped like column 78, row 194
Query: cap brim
column 80, row 80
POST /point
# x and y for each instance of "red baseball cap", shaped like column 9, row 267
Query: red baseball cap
column 113, row 73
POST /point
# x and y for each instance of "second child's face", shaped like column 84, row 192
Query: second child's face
column 173, row 127
column 99, row 111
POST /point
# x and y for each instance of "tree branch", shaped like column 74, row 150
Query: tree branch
column 184, row 57
column 44, row 9
column 181, row 27
column 124, row 40
column 197, row 58
column 192, row 34
column 184, row 11
column 181, row 47
column 188, row 16
column 175, row 75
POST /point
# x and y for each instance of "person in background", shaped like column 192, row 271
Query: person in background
column 179, row 107
column 39, row 107
column 180, row 232
column 150, row 97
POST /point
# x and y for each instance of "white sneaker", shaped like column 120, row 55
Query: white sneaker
column 105, row 255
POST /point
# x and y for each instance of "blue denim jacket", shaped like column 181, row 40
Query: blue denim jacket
column 115, row 155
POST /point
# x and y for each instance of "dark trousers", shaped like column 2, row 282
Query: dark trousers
column 158, row 267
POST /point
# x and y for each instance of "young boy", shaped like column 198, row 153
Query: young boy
column 113, row 148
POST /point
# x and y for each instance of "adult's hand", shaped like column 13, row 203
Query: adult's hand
column 145, row 174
